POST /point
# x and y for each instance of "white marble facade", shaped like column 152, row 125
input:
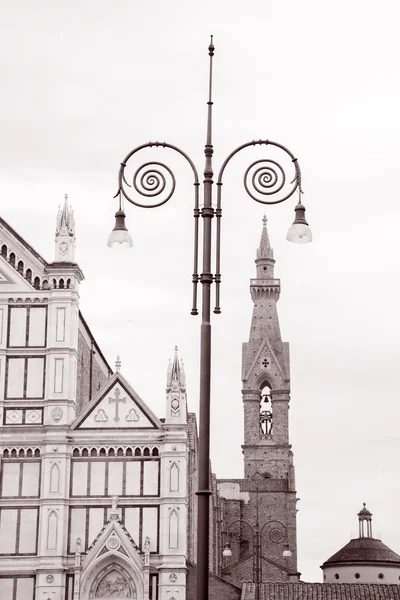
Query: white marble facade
column 93, row 485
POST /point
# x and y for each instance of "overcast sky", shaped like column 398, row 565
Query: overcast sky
column 84, row 82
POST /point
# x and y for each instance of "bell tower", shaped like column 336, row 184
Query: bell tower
column 266, row 377
column 259, row 511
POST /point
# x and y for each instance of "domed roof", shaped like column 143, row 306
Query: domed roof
column 364, row 512
column 364, row 549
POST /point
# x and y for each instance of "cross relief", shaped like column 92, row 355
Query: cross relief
column 265, row 363
column 117, row 400
column 103, row 414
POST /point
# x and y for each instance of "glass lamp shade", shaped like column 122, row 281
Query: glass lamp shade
column 286, row 552
column 299, row 232
column 120, row 235
column 227, row 552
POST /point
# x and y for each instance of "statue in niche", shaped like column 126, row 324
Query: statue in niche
column 265, row 416
column 114, row 503
column 147, row 545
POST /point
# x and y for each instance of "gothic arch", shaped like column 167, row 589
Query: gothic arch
column 173, row 533
column 266, row 379
column 111, row 565
column 174, row 477
column 52, row 530
column 54, row 478
column 113, row 575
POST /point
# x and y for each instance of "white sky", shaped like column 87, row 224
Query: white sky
column 84, row 82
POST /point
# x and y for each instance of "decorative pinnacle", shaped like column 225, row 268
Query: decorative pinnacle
column 176, row 371
column 118, row 364
column 264, row 250
column 65, row 217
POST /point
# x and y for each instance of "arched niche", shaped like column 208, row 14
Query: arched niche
column 54, row 479
column 174, row 478
column 52, row 528
column 173, row 529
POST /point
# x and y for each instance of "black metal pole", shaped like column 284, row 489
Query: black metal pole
column 150, row 184
column 206, row 278
column 256, row 542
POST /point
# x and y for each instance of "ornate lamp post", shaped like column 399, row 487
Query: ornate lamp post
column 277, row 535
column 155, row 182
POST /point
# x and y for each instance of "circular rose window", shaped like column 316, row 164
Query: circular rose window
column 113, row 543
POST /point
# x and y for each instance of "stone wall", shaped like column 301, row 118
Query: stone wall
column 92, row 370
column 218, row 588
column 277, row 523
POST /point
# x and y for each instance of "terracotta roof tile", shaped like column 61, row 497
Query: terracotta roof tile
column 322, row 591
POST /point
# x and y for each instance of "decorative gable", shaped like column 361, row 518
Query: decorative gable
column 117, row 406
column 265, row 361
column 113, row 566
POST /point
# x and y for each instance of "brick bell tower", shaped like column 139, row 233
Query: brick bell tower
column 268, row 458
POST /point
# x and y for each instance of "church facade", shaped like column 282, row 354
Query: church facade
column 95, row 498
column 97, row 493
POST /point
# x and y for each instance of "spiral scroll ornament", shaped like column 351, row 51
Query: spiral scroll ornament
column 237, row 531
column 151, row 180
column 267, row 177
column 276, row 532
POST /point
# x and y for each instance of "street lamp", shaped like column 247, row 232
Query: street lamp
column 155, row 183
column 236, row 532
column 277, row 534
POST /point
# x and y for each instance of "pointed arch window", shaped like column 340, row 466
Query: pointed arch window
column 174, row 478
column 52, row 531
column 54, row 479
column 173, row 529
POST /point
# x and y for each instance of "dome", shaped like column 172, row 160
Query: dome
column 364, row 512
column 364, row 550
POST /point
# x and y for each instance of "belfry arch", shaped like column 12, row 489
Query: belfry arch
column 266, row 413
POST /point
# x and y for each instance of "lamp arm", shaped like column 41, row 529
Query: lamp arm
column 235, row 530
column 264, row 177
column 277, row 531
column 152, row 179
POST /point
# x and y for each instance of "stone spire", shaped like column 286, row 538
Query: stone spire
column 65, row 234
column 265, row 255
column 176, row 391
column 265, row 250
column 176, row 372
